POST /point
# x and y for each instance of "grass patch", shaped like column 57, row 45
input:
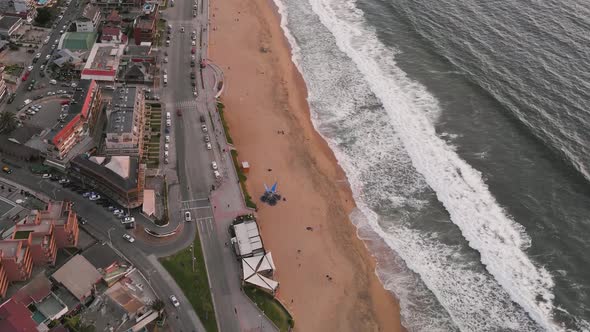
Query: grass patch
column 243, row 178
column 220, row 108
column 194, row 284
column 272, row 308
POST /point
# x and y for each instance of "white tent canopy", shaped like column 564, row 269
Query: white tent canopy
column 252, row 266
column 266, row 264
column 263, row 282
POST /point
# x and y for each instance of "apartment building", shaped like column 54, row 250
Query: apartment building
column 85, row 108
column 89, row 20
column 126, row 122
column 16, row 259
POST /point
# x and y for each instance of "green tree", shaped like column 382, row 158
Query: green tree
column 8, row 122
column 158, row 305
column 43, row 16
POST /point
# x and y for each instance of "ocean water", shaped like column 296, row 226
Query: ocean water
column 463, row 129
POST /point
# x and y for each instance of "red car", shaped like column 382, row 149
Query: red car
column 179, row 112
column 25, row 76
column 193, row 50
column 65, row 102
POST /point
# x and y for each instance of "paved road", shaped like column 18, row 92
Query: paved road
column 233, row 309
column 106, row 227
column 71, row 14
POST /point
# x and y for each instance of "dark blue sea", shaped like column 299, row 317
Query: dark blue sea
column 464, row 129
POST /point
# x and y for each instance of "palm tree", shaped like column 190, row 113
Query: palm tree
column 8, row 122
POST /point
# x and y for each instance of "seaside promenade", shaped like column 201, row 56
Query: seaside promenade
column 212, row 210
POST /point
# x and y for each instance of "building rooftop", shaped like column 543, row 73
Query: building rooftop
column 76, row 41
column 9, row 248
column 145, row 22
column 114, row 17
column 78, row 104
column 15, row 317
column 6, row 22
column 248, row 238
column 132, row 293
column 89, row 12
column 124, row 97
column 103, row 60
column 35, row 291
column 78, row 276
column 113, row 173
column 138, row 50
column 102, row 256
column 120, row 122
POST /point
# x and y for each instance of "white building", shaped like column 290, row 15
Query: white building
column 126, row 122
column 89, row 20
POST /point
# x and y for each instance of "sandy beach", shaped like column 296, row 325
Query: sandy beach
column 309, row 234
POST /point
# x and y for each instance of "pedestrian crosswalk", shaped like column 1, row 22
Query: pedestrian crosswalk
column 199, row 203
column 189, row 105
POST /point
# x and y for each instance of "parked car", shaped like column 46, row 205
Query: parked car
column 129, row 219
column 204, row 128
column 6, row 169
column 174, row 301
column 95, row 197
column 128, row 238
column 167, row 138
column 187, row 216
column 166, row 147
column 214, row 165
column 88, row 194
column 46, row 176
column 208, row 146
column 217, row 174
column 117, row 211
column 207, row 139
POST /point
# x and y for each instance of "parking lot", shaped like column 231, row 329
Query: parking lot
column 46, row 117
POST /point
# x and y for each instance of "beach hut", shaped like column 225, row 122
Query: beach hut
column 245, row 166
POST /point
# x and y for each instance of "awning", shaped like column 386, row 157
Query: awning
column 149, row 202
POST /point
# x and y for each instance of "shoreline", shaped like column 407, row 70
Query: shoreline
column 267, row 97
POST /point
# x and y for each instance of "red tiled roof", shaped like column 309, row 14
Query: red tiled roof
column 15, row 317
column 110, row 31
column 99, row 72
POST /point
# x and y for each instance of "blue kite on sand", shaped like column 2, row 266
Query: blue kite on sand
column 271, row 196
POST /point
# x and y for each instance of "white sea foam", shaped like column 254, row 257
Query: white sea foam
column 484, row 224
column 379, row 152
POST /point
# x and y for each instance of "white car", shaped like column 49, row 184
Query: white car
column 30, row 68
column 167, row 138
column 128, row 238
column 38, row 55
column 48, row 56
column 217, row 174
column 165, row 154
column 166, row 60
column 46, row 176
column 194, row 43
column 165, row 160
column 129, row 219
column 174, row 301
column 214, row 165
column 204, row 128
column 181, row 29
column 208, row 146
column 117, row 211
column 166, row 147
column 94, row 197
column 168, row 123
column 187, row 216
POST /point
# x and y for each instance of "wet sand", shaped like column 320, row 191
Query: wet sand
column 327, row 275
